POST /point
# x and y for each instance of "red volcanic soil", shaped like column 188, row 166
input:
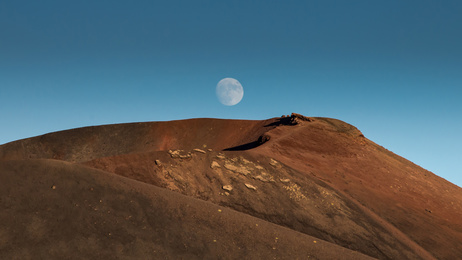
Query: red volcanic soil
column 284, row 188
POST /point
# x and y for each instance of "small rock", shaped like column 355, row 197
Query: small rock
column 264, row 178
column 260, row 178
column 250, row 186
column 215, row 165
column 284, row 180
column 245, row 161
column 209, row 150
column 228, row 187
column 158, row 163
column 221, row 156
column 198, row 150
column 274, row 163
column 176, row 154
column 263, row 139
column 53, row 187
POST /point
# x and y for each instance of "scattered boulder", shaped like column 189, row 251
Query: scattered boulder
column 245, row 161
column 274, row 163
column 199, row 150
column 250, row 186
column 177, row 154
column 263, row 139
column 221, row 156
column 264, row 177
column 260, row 178
column 174, row 154
column 228, row 187
column 158, row 163
column 215, row 165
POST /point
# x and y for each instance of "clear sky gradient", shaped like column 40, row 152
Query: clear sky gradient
column 391, row 68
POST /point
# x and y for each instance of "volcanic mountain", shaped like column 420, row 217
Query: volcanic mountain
column 292, row 187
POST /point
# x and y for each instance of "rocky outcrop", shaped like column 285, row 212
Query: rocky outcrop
column 228, row 187
column 296, row 119
column 263, row 139
column 177, row 154
column 199, row 151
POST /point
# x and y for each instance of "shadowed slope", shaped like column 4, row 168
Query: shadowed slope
column 83, row 144
column 57, row 210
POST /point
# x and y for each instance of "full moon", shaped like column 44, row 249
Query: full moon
column 229, row 91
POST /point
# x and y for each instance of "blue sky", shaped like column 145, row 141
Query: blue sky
column 391, row 68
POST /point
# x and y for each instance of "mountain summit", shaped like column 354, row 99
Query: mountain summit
column 290, row 187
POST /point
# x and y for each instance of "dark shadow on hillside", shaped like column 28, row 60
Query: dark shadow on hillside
column 243, row 147
column 293, row 119
column 281, row 121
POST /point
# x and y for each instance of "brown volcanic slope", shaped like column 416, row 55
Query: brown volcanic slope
column 244, row 189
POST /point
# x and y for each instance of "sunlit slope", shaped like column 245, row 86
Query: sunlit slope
column 423, row 206
column 317, row 176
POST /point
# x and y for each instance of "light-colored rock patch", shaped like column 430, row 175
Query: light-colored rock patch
column 245, row 161
column 238, row 169
column 250, row 186
column 199, row 150
column 228, row 187
column 295, row 192
column 215, row 165
column 264, row 177
column 177, row 154
column 274, row 163
column 260, row 178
